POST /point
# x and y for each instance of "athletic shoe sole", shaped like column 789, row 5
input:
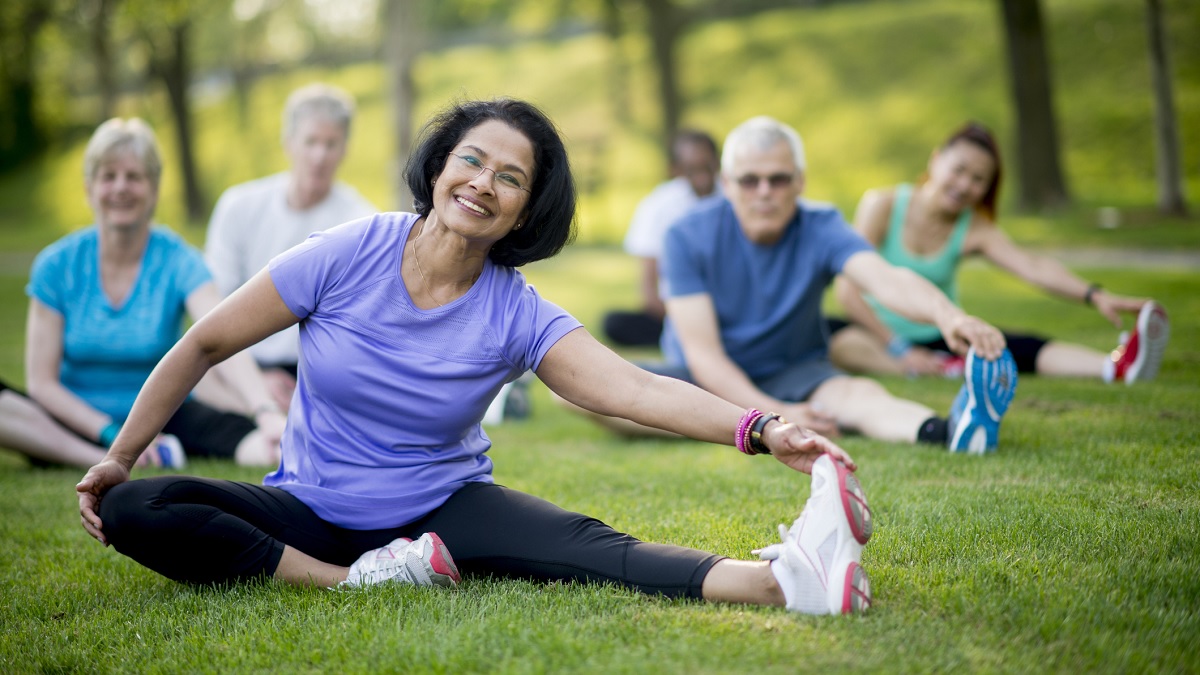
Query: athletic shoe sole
column 853, row 594
column 1152, row 334
column 444, row 571
column 990, row 387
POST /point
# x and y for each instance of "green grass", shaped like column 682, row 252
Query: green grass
column 1076, row 548
column 871, row 86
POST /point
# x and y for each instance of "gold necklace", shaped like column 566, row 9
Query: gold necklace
column 417, row 259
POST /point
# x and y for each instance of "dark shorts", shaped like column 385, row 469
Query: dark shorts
column 793, row 384
column 489, row 530
column 1024, row 348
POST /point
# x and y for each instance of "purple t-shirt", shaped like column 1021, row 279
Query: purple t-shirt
column 385, row 422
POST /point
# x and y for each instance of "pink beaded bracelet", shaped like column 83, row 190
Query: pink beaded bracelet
column 742, row 438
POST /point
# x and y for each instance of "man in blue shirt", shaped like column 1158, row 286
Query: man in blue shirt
column 744, row 278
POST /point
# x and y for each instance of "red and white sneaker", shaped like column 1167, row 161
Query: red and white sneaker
column 424, row 562
column 1138, row 357
column 817, row 563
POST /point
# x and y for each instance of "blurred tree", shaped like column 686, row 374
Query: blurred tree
column 403, row 42
column 21, row 132
column 1040, row 180
column 165, row 27
column 1166, row 131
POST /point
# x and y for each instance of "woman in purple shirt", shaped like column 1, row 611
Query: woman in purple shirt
column 409, row 326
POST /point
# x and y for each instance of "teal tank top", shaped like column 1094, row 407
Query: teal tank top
column 939, row 268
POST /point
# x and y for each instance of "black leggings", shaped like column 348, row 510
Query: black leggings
column 200, row 530
column 1024, row 348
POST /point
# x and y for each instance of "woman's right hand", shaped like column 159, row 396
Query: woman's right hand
column 98, row 480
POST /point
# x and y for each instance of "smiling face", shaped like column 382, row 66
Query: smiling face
column 316, row 149
column 121, row 192
column 960, row 175
column 473, row 196
column 763, row 185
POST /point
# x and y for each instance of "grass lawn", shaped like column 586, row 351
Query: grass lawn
column 1075, row 548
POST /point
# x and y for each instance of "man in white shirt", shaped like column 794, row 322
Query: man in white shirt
column 255, row 221
column 694, row 167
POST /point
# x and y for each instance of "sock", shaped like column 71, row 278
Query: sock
column 802, row 588
column 1109, row 370
column 933, row 430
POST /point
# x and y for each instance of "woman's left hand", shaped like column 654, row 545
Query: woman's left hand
column 798, row 447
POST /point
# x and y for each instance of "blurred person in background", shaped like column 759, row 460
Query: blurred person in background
column 255, row 221
column 930, row 228
column 694, row 167
column 105, row 304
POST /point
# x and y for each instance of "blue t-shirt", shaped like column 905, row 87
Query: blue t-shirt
column 767, row 298
column 385, row 422
column 108, row 352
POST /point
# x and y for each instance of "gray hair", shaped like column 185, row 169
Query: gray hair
column 761, row 133
column 123, row 135
column 317, row 100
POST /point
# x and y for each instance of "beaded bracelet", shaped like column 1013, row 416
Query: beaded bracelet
column 742, row 438
column 757, row 446
column 1091, row 291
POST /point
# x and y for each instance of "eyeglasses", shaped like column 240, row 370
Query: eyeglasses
column 470, row 165
column 751, row 181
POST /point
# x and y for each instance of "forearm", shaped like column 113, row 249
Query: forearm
column 858, row 311
column 70, row 410
column 1052, row 276
column 682, row 408
column 165, row 390
column 915, row 298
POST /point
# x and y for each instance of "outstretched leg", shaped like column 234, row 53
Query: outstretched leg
column 27, row 428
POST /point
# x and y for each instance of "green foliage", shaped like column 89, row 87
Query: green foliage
column 871, row 86
column 1075, row 548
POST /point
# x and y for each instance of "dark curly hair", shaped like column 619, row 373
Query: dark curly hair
column 550, row 219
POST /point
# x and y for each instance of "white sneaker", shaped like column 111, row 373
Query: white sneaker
column 170, row 452
column 817, row 564
column 424, row 562
column 1138, row 357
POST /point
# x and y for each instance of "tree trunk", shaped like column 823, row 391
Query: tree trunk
column 618, row 74
column 1040, row 178
column 175, row 71
column 665, row 27
column 21, row 133
column 1166, row 133
column 101, row 45
column 402, row 44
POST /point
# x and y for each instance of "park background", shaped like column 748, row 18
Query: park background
column 1075, row 547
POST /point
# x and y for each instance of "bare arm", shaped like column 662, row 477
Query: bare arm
column 870, row 221
column 1048, row 274
column 593, row 377
column 43, row 361
column 695, row 321
column 240, row 370
column 910, row 295
column 250, row 314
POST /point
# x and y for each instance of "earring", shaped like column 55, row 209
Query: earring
column 518, row 226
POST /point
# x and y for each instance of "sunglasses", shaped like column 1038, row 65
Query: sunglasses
column 751, row 181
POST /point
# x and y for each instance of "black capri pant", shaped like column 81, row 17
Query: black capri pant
column 200, row 530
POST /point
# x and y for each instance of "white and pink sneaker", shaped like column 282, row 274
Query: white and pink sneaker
column 817, row 563
column 424, row 562
column 1139, row 356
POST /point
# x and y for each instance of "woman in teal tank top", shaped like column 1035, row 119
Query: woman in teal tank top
column 929, row 228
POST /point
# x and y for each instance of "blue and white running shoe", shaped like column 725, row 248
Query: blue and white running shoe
column 974, row 424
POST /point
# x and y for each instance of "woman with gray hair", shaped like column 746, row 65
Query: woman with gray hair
column 105, row 304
